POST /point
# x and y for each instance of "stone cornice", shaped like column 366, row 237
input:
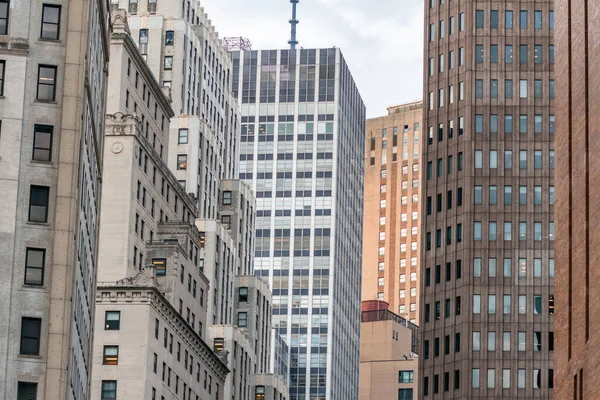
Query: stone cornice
column 144, row 289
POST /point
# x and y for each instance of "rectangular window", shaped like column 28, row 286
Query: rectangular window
column 30, row 336
column 110, row 356
column 109, row 390
column 227, row 197
column 46, row 84
column 168, row 63
column 4, row 7
column 34, row 266
column 243, row 294
column 28, row 391
column 494, row 19
column 523, row 19
column 479, row 54
column 50, row 22
column 479, row 19
column 537, row 19
column 42, row 142
column 508, row 89
column 181, row 161
column 38, row 203
column 183, row 136
column 508, row 123
column 112, row 320
column 160, row 265
column 523, row 89
column 475, row 378
column 494, row 54
column 406, row 376
column 523, row 54
column 476, row 304
column 494, row 90
column 169, row 38
column 242, row 319
column 477, row 231
column 523, row 123
column 508, row 53
column 508, row 19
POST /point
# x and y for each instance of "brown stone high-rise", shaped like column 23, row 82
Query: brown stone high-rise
column 578, row 243
column 391, row 246
column 487, row 261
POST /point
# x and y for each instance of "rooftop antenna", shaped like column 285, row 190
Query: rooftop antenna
column 293, row 22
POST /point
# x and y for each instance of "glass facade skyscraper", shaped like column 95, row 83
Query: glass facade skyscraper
column 301, row 150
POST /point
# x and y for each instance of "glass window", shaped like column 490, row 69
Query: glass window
column 508, row 158
column 42, row 142
column 475, row 378
column 4, row 6
column 494, row 53
column 494, row 19
column 476, row 304
column 491, row 304
column 34, row 266
column 508, row 19
column 38, row 203
column 478, row 123
column 479, row 19
column 506, row 378
column 479, row 54
column 537, row 159
column 110, row 355
column 477, row 267
column 494, row 91
column 109, row 390
column 507, row 304
column 507, row 231
column 27, row 391
column 112, row 320
column 478, row 194
column 523, row 88
column 50, row 22
column 168, row 63
column 30, row 336
column 478, row 92
column 493, row 159
column 508, row 123
column 183, row 136
column 522, row 231
column 523, row 19
column 537, row 19
column 506, row 341
column 508, row 88
column 538, row 54
column 523, row 159
column 169, row 38
column 46, row 85
column 507, row 192
column 521, row 378
column 242, row 319
column 476, row 341
column 478, row 159
column 523, row 54
column 522, row 304
column 477, row 231
column 523, row 123
column 491, row 339
column 181, row 161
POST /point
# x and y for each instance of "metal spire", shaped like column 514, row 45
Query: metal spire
column 293, row 22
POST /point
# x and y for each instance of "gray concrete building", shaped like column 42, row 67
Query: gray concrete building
column 302, row 141
column 269, row 386
column 487, row 265
column 52, row 101
column 150, row 251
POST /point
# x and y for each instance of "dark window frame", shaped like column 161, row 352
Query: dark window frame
column 5, row 17
column 27, row 266
column 53, row 85
column 46, row 205
column 35, row 351
column 57, row 24
column 107, row 393
column 112, row 326
column 42, row 129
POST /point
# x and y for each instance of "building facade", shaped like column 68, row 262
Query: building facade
column 487, row 323
column 388, row 364
column 391, row 239
column 303, row 123
column 150, row 251
column 576, row 340
column 53, row 102
column 185, row 54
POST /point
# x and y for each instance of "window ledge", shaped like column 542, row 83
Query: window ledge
column 38, row 223
column 46, row 101
column 49, row 163
column 31, row 286
column 49, row 40
column 30, row 356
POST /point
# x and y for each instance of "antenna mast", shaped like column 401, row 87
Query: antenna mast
column 293, row 22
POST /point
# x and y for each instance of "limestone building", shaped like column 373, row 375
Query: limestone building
column 391, row 239
column 53, row 71
column 152, row 292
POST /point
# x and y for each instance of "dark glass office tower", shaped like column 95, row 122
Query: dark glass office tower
column 488, row 200
column 303, row 130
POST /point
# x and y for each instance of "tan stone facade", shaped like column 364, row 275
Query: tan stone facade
column 391, row 243
column 388, row 365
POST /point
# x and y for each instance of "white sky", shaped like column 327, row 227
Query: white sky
column 382, row 40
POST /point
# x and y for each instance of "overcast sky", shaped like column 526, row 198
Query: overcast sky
column 381, row 40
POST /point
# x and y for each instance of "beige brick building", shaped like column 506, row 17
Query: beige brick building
column 391, row 242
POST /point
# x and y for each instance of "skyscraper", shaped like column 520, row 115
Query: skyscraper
column 390, row 269
column 577, row 328
column 303, row 123
column 488, row 251
column 53, row 91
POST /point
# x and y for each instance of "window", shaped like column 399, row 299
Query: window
column 243, row 294
column 523, row 88
column 492, row 231
column 538, row 54
column 112, row 320
column 38, row 203
column 507, row 230
column 168, row 63
column 110, row 355
column 183, row 136
column 50, row 22
column 28, row 391
column 30, row 336
column 4, row 5
column 479, row 54
column 160, row 265
column 475, row 378
column 491, row 304
column 523, row 19
column 259, row 393
column 2, row 68
column 181, row 161
column 477, row 231
column 406, row 376
column 42, row 142
column 46, row 85
column 109, row 390
column 494, row 54
column 227, row 196
column 494, row 19
column 242, row 319
column 508, row 88
column 476, row 304
column 508, row 19
column 151, row 6
column 537, row 19
column 34, row 266
column 405, row 394
column 169, row 38
column 478, row 159
column 479, row 19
